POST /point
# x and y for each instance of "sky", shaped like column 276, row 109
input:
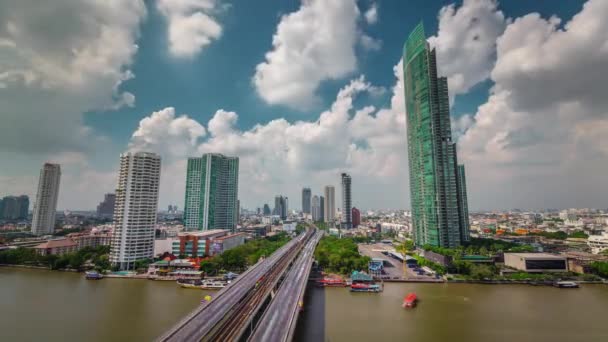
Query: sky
column 301, row 91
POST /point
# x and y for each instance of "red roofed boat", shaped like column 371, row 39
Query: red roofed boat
column 410, row 300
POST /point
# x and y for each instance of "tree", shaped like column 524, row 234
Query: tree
column 481, row 272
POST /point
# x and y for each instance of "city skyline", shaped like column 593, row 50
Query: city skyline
column 520, row 138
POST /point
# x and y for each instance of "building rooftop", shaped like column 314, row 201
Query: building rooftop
column 536, row 255
column 204, row 233
column 56, row 244
column 221, row 238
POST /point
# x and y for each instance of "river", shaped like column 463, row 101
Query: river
column 63, row 306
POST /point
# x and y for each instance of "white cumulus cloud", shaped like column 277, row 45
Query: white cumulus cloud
column 192, row 25
column 539, row 130
column 313, row 44
column 466, row 42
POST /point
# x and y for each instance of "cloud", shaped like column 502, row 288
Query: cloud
column 166, row 134
column 369, row 43
column 59, row 61
column 371, row 15
column 278, row 157
column 192, row 25
column 313, row 44
column 466, row 42
column 539, row 129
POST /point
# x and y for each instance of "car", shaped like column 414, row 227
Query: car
column 395, row 277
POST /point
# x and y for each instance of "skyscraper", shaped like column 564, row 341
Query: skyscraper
column 281, row 206
column 306, row 200
column 211, row 192
column 321, row 208
column 135, row 209
column 347, row 216
column 266, row 210
column 463, row 205
column 438, row 211
column 316, row 209
column 330, row 204
column 106, row 207
column 45, row 207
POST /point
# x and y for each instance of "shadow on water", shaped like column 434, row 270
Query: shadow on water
column 311, row 322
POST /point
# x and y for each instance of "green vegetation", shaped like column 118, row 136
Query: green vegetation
column 441, row 270
column 65, row 232
column 239, row 258
column 301, row 227
column 600, row 268
column 557, row 235
column 340, row 255
column 578, row 235
column 321, row 225
column 28, row 256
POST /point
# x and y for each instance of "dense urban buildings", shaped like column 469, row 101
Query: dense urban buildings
column 330, row 203
column 347, row 218
column 45, row 207
column 106, row 207
column 281, row 206
column 211, row 192
column 135, row 209
column 306, row 193
column 14, row 207
column 438, row 209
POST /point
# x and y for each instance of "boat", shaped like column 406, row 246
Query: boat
column 566, row 284
column 93, row 275
column 331, row 282
column 203, row 285
column 410, row 300
column 361, row 287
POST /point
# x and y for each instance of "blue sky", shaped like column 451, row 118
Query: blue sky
column 168, row 69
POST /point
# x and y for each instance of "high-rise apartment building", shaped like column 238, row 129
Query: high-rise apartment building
column 135, row 209
column 106, row 207
column 347, row 216
column 306, row 193
column 266, row 210
column 212, row 183
column 438, row 211
column 330, row 203
column 45, row 207
column 14, row 207
column 321, row 208
column 316, row 209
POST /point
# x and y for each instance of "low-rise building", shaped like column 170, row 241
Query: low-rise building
column 90, row 239
column 536, row 262
column 224, row 243
column 196, row 244
column 57, row 247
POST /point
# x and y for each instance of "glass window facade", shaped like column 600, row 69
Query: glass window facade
column 437, row 191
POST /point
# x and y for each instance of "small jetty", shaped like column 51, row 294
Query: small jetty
column 203, row 284
column 363, row 282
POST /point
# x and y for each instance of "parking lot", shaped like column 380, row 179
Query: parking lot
column 394, row 269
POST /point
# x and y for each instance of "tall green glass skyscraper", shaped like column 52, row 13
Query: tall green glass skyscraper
column 437, row 182
column 211, row 192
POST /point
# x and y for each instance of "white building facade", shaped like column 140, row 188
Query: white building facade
column 135, row 209
column 45, row 207
column 330, row 203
